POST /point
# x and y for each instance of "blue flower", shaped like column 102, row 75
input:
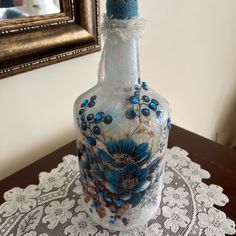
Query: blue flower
column 128, row 183
column 124, row 152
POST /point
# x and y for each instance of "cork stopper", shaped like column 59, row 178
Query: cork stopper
column 122, row 9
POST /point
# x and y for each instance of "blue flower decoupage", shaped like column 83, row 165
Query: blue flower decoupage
column 120, row 150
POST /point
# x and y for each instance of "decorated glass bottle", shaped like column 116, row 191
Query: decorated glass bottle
column 122, row 129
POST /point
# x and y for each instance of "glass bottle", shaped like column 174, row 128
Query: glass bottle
column 122, row 128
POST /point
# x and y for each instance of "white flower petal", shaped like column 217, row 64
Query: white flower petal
column 176, row 218
column 168, row 177
column 210, row 195
column 8, row 208
column 12, row 194
column 214, row 222
column 75, row 229
column 52, row 220
column 58, row 212
column 27, row 205
column 32, row 191
column 68, row 204
column 175, row 197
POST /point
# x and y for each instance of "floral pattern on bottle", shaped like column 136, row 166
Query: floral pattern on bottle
column 118, row 174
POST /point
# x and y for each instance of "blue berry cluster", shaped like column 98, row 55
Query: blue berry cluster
column 145, row 103
column 113, row 219
column 90, row 122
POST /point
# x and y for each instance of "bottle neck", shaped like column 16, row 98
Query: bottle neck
column 121, row 62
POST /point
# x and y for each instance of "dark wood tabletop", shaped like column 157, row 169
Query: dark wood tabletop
column 220, row 161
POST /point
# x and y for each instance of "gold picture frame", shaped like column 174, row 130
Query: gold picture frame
column 34, row 42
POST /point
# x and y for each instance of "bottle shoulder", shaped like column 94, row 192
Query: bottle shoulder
column 110, row 95
column 123, row 112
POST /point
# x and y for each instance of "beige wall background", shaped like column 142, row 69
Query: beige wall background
column 188, row 54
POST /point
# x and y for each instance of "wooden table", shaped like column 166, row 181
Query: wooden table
column 217, row 159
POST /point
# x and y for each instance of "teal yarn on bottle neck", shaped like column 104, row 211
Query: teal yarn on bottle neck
column 122, row 9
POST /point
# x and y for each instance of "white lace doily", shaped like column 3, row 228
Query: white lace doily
column 53, row 207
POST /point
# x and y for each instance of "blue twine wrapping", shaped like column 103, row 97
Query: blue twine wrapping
column 122, row 9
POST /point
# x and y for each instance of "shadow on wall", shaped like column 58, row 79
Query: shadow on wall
column 227, row 128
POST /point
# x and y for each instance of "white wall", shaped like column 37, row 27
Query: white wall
column 188, row 54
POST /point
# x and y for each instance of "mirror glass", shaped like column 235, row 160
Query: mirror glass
column 12, row 9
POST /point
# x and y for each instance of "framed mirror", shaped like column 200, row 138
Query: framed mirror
column 37, row 33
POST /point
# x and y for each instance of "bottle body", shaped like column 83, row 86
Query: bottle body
column 122, row 129
column 121, row 145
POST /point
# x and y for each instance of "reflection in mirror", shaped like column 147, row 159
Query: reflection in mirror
column 12, row 9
